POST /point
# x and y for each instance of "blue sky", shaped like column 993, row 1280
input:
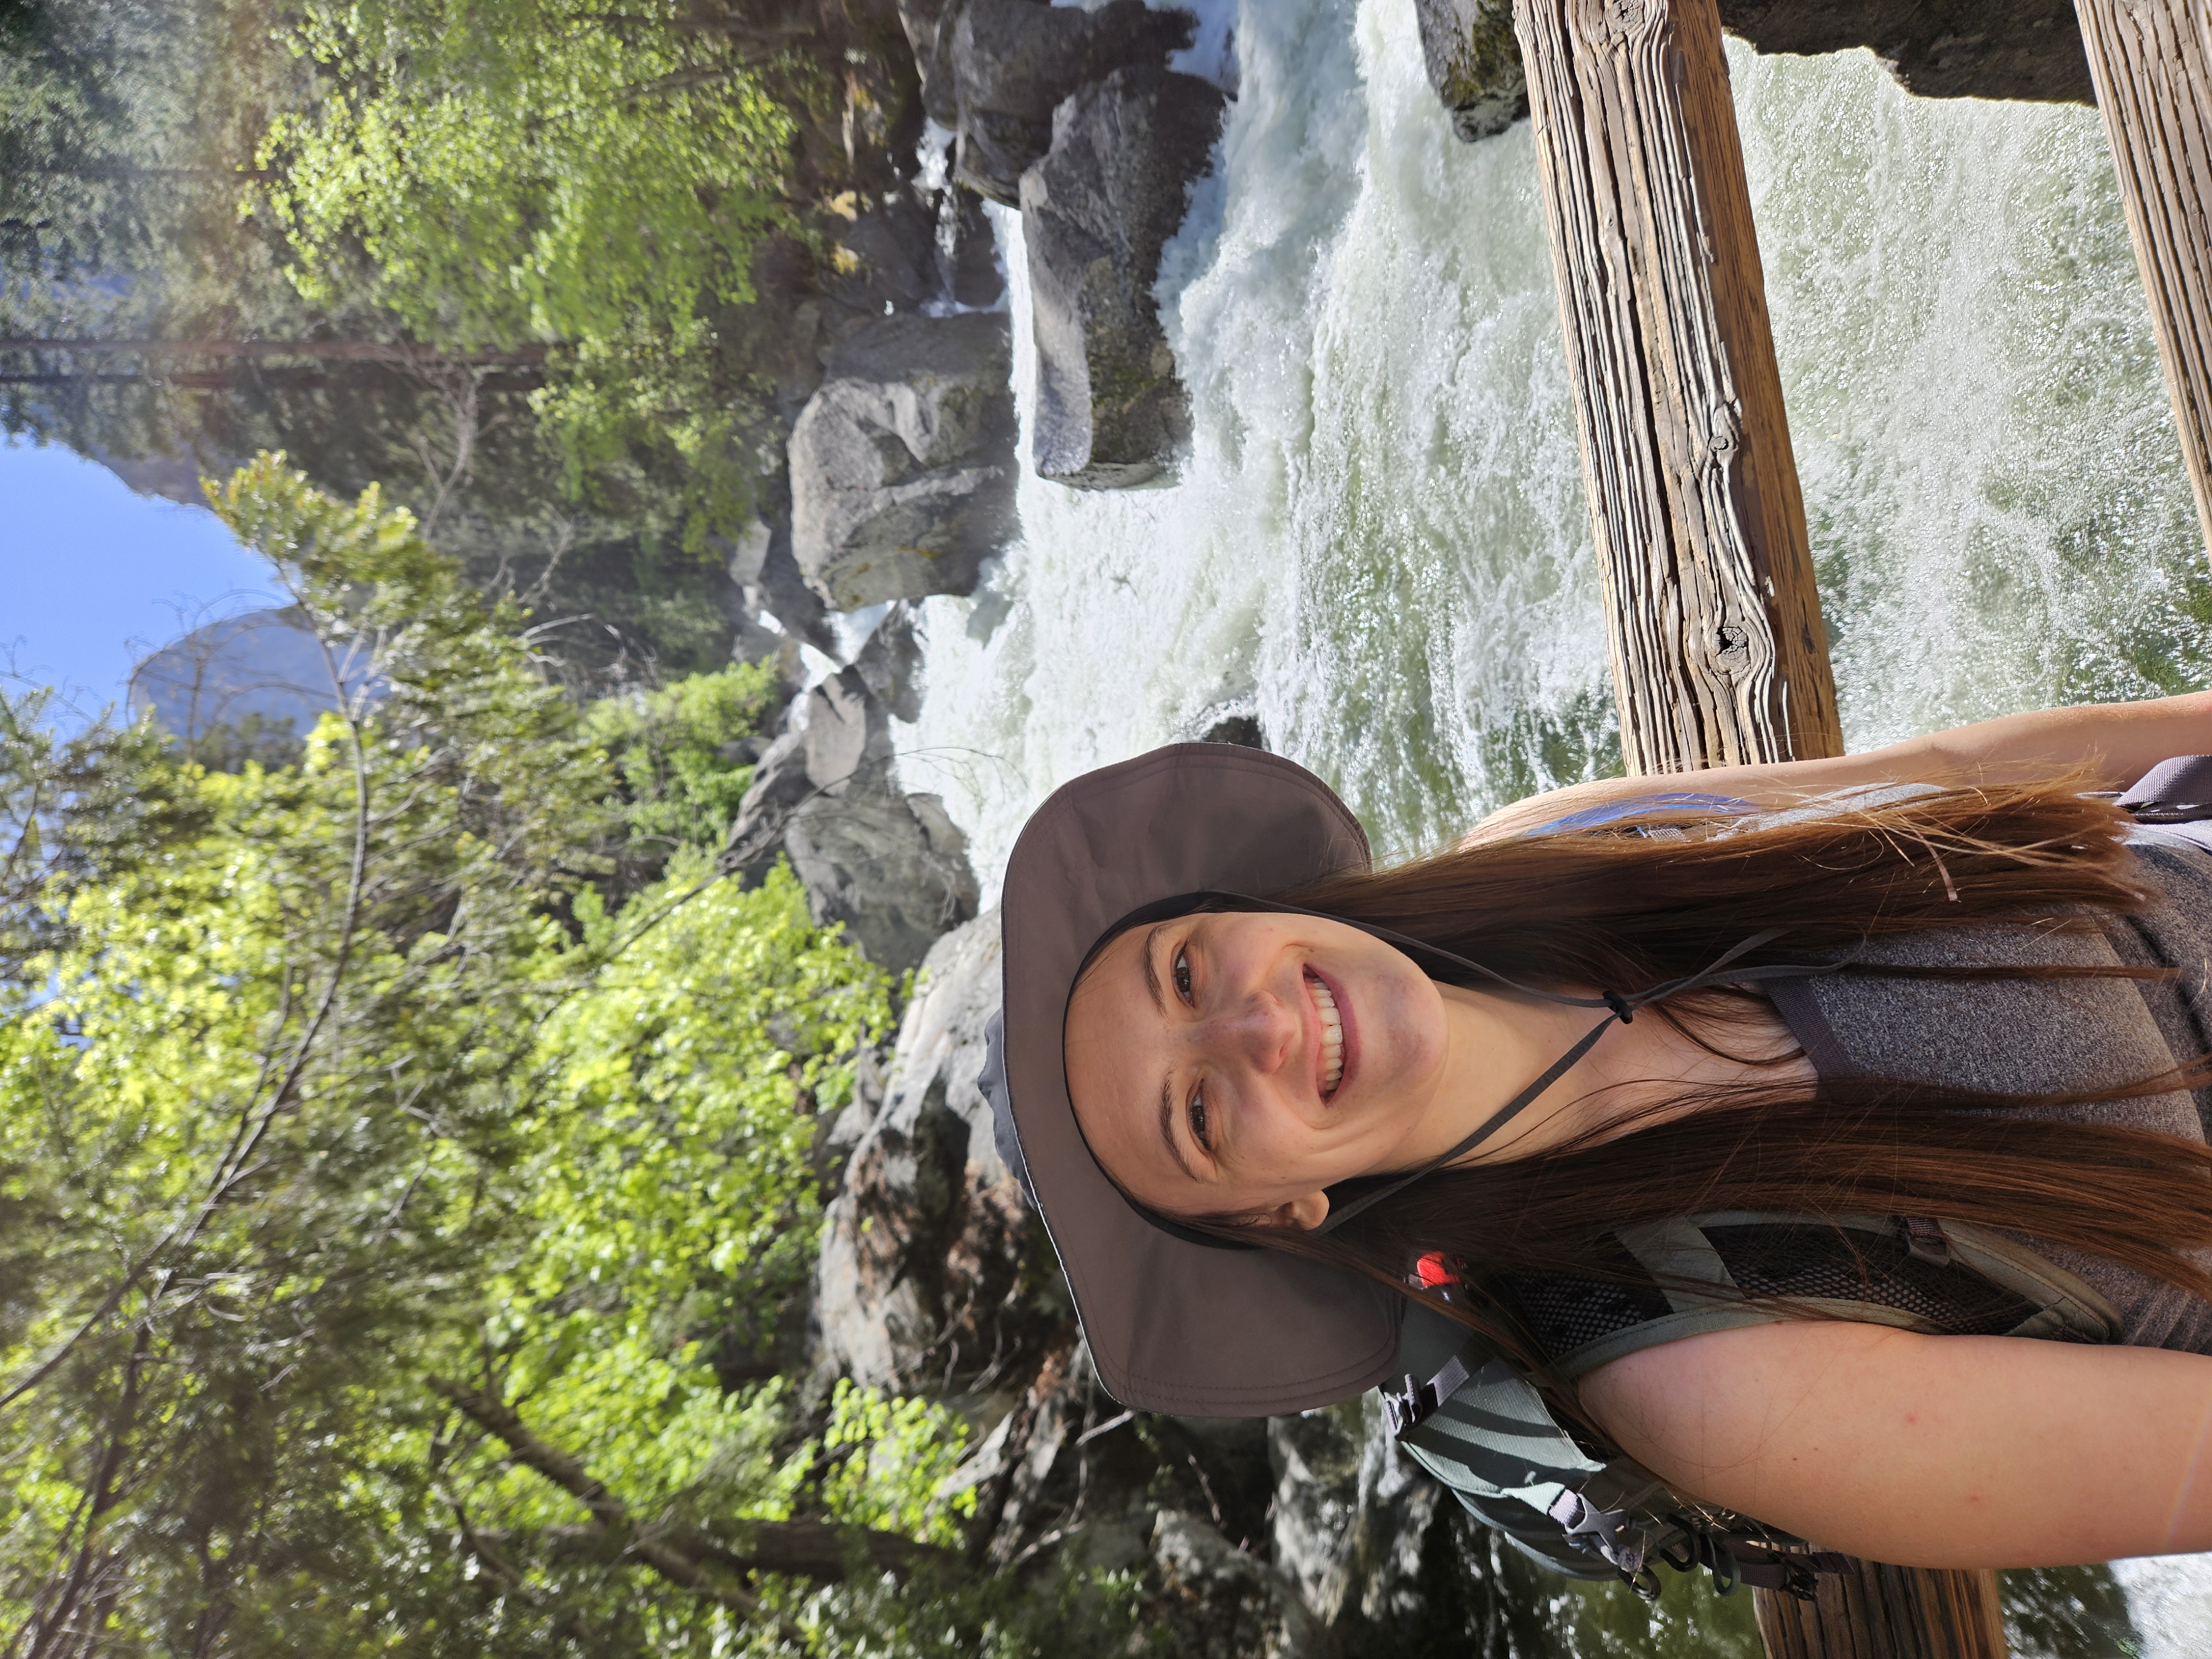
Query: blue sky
column 92, row 576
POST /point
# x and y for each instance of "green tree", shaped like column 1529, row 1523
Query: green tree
column 546, row 170
column 396, row 1240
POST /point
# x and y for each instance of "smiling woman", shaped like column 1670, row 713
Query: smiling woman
column 1945, row 984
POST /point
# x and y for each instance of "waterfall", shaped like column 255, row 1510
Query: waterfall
column 1378, row 543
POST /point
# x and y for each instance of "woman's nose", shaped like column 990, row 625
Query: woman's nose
column 1258, row 1029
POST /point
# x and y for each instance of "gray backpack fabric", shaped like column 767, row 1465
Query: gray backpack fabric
column 1471, row 1419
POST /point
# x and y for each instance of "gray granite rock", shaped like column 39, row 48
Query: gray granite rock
column 922, row 1248
column 902, row 464
column 1095, row 212
column 1474, row 62
column 1223, row 1602
column 1935, row 48
column 890, row 664
column 892, row 868
column 2027, row 49
column 1010, row 62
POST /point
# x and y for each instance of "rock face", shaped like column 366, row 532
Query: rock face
column 892, row 868
column 262, row 665
column 1935, row 48
column 1474, row 62
column 901, row 465
column 1006, row 64
column 1230, row 1604
column 1386, row 1560
column 1095, row 212
column 921, row 1270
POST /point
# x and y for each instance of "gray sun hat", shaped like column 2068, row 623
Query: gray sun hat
column 1174, row 1324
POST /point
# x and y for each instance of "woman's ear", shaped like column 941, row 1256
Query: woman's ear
column 1301, row 1214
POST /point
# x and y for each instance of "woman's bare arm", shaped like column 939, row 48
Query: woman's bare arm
column 2116, row 742
column 1930, row 1451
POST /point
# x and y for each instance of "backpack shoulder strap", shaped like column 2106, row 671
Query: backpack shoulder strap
column 1952, row 1265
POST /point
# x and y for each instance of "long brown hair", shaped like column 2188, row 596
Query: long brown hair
column 1656, row 896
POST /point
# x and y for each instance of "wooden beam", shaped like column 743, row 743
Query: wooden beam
column 1713, row 623
column 2152, row 67
column 1876, row 1611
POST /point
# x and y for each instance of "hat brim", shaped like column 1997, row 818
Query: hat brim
column 1174, row 1326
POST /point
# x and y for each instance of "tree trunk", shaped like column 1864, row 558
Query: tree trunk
column 347, row 351
column 2151, row 63
column 1876, row 1611
column 1713, row 623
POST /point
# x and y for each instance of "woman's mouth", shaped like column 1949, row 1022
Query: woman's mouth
column 1332, row 1035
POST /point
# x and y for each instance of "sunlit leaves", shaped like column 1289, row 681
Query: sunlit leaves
column 543, row 170
column 327, row 1084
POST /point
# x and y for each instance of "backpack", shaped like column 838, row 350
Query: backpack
column 1473, row 1420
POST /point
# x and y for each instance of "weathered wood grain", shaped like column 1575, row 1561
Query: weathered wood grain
column 1713, row 623
column 2152, row 66
column 1876, row 1611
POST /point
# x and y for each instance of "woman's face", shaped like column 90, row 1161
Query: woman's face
column 1239, row 1063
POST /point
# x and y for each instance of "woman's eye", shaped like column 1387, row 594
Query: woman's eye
column 1181, row 970
column 1198, row 1121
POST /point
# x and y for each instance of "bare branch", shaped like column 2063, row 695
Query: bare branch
column 800, row 1549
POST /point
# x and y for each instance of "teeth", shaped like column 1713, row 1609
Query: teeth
column 1331, row 1037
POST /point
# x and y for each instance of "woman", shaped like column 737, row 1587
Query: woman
column 1980, row 1004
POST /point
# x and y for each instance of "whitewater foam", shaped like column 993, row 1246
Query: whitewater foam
column 1378, row 543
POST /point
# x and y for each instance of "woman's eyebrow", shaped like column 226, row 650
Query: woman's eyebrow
column 1167, row 1128
column 1152, row 973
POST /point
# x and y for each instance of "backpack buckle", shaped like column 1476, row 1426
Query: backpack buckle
column 1407, row 1405
column 1412, row 1404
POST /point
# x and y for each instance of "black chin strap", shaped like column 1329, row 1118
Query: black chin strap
column 1617, row 1008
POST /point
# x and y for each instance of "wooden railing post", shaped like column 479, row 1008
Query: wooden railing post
column 1712, row 619
column 2151, row 63
column 1875, row 1611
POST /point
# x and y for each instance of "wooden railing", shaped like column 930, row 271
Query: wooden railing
column 1719, row 655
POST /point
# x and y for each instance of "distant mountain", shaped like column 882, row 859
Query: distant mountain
column 263, row 666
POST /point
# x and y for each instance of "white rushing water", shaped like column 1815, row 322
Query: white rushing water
column 1378, row 543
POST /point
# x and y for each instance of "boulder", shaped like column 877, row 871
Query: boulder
column 890, row 664
column 892, row 248
column 921, row 1269
column 1010, row 62
column 1095, row 212
column 919, row 249
column 901, row 465
column 1243, row 730
column 922, row 21
column 893, row 868
column 1473, row 61
column 1220, row 1602
column 2029, row 49
column 968, row 268
column 1381, row 1554
column 1935, row 48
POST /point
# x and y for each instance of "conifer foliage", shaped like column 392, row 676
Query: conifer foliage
column 402, row 1226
